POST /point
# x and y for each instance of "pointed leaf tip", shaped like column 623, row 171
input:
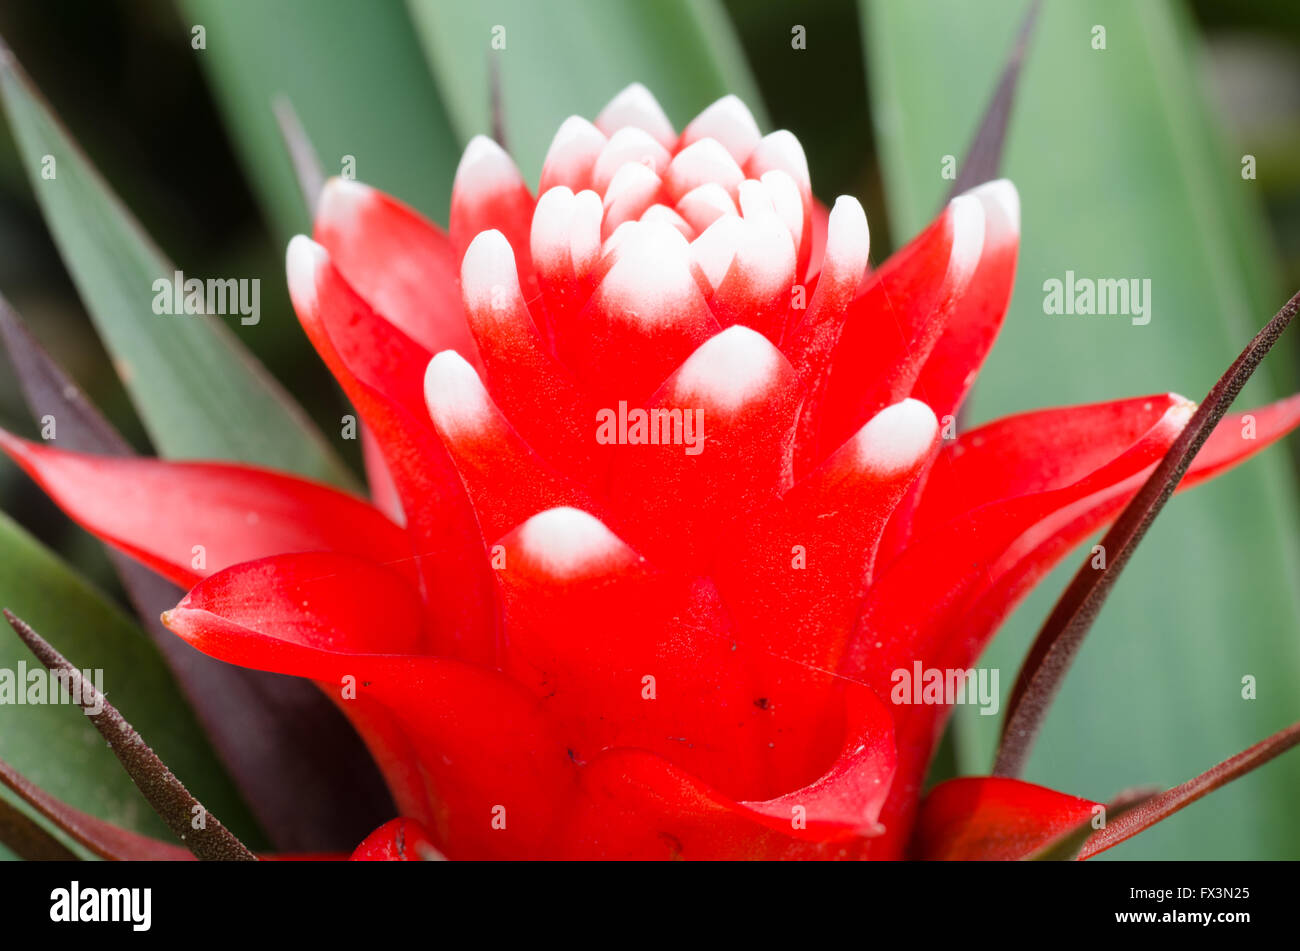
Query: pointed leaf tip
column 211, row 841
column 984, row 156
column 1146, row 813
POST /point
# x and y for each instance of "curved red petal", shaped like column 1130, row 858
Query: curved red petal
column 399, row 840
column 186, row 520
column 993, row 818
column 382, row 372
column 466, row 752
column 399, row 261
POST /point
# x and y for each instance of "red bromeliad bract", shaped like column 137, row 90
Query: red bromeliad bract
column 666, row 488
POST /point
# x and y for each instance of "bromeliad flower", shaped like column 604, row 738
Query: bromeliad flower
column 666, row 489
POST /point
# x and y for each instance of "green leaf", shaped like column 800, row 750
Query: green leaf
column 569, row 57
column 55, row 745
column 1122, row 175
column 197, row 389
column 356, row 78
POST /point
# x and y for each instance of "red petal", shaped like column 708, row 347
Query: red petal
column 624, row 655
column 644, row 318
column 633, row 804
column 894, row 324
column 800, row 569
column 637, row 108
column 781, row 151
column 535, row 392
column 158, row 512
column 507, row 482
column 489, row 194
column 730, row 122
column 677, row 503
column 382, row 371
column 400, row 262
column 383, row 490
column 1037, row 451
column 754, row 290
column 572, row 154
column 976, row 318
column 401, row 840
column 990, row 818
column 992, row 555
column 455, row 741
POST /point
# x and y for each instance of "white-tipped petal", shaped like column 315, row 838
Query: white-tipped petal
column 627, row 146
column 780, row 150
column 584, row 231
column 343, row 201
column 572, row 154
column 485, row 168
column 730, row 122
column 848, row 242
column 967, row 238
column 730, row 369
column 303, row 261
column 662, row 214
column 489, row 277
column 785, row 198
column 457, row 400
column 700, row 163
column 550, row 235
column 650, row 281
column 716, row 247
column 635, row 106
column 768, row 254
column 1000, row 196
column 897, row 437
column 632, row 190
column 703, row 206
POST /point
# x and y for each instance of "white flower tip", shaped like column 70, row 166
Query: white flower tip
column 967, row 237
column 1180, row 413
column 484, row 165
column 848, row 240
column 897, row 437
column 566, row 541
column 488, row 271
column 574, row 130
column 729, row 369
column 342, row 201
column 636, row 106
column 782, row 150
column 454, row 393
column 303, row 262
column 1001, row 195
column 633, row 94
column 730, row 122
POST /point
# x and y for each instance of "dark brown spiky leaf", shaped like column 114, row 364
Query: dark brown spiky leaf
column 167, row 794
column 1063, row 632
column 306, row 163
column 275, row 735
column 984, row 156
column 102, row 838
column 1068, row 846
column 1151, row 811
